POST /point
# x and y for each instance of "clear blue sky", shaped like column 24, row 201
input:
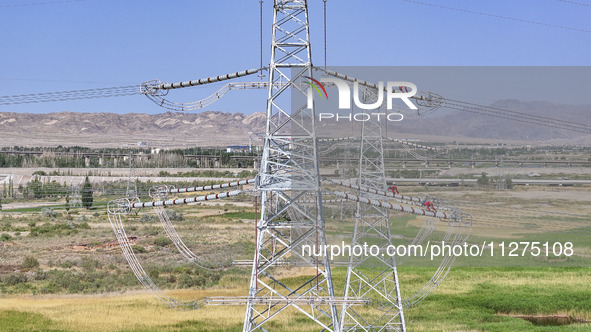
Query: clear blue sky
column 71, row 45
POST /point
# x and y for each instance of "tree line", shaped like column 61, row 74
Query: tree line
column 116, row 158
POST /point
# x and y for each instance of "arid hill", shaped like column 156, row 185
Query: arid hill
column 212, row 128
column 110, row 129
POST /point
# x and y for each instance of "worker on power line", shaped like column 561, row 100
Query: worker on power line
column 394, row 189
column 429, row 205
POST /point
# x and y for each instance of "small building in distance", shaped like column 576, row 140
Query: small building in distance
column 238, row 148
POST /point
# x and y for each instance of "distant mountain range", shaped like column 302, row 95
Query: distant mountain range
column 467, row 124
column 212, row 123
column 221, row 128
column 208, row 128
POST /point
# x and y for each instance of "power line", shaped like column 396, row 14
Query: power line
column 525, row 116
column 486, row 110
column 261, row 32
column 40, row 3
column 58, row 81
column 70, row 95
column 324, row 34
column 575, row 3
column 498, row 16
column 483, row 111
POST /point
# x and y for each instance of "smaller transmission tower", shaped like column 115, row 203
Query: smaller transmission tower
column 375, row 278
column 76, row 200
column 131, row 192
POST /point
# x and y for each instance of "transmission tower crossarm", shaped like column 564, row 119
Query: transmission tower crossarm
column 334, row 139
column 304, row 300
column 373, row 191
column 388, row 205
column 210, row 187
column 348, row 78
column 208, row 80
column 428, row 99
column 404, row 142
column 153, row 92
column 353, row 79
column 181, row 201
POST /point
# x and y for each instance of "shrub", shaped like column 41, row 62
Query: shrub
column 509, row 183
column 30, row 262
column 162, row 241
column 147, row 218
column 67, row 265
column 175, row 216
column 48, row 229
column 139, row 249
column 39, row 275
column 483, row 180
column 5, row 237
column 83, row 225
column 90, row 264
column 187, row 281
column 151, row 231
column 47, row 212
column 14, row 279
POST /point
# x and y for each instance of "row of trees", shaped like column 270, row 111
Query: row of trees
column 38, row 189
column 75, row 157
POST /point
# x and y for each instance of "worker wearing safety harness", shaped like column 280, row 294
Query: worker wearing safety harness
column 394, row 189
column 429, row 205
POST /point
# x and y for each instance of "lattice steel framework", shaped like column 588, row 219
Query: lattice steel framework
column 340, row 209
column 375, row 278
column 131, row 191
column 291, row 203
column 76, row 200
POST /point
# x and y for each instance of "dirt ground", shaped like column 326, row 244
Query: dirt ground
column 532, row 193
column 493, row 171
column 29, row 205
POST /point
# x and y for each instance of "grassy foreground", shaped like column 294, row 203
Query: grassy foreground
column 470, row 299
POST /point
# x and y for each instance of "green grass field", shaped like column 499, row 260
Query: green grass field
column 470, row 299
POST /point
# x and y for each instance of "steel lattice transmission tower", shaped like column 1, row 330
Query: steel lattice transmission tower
column 375, row 278
column 291, row 214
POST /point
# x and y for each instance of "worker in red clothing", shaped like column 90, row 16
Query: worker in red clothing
column 394, row 189
column 429, row 205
